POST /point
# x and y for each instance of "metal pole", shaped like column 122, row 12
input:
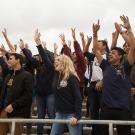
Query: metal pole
column 13, row 128
column 110, row 128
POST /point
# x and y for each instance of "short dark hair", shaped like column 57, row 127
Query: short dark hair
column 18, row 56
column 105, row 43
column 119, row 50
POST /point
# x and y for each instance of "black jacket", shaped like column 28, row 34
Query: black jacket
column 21, row 94
column 44, row 74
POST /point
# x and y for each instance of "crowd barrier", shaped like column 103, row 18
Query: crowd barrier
column 111, row 123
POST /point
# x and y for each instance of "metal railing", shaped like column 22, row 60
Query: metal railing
column 103, row 122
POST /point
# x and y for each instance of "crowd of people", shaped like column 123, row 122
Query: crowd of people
column 59, row 82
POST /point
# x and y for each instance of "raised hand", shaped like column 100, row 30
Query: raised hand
column 69, row 44
column 44, row 44
column 55, row 46
column 126, row 23
column 3, row 50
column 21, row 44
column 4, row 32
column 118, row 27
column 37, row 37
column 89, row 39
column 96, row 27
column 73, row 33
column 82, row 35
column 2, row 46
column 15, row 46
column 83, row 40
column 62, row 37
column 10, row 45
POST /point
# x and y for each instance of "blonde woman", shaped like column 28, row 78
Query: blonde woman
column 65, row 86
column 67, row 96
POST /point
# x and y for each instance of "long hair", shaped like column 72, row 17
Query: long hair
column 68, row 67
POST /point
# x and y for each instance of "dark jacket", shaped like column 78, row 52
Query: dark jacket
column 21, row 94
column 43, row 75
column 80, row 65
column 68, row 98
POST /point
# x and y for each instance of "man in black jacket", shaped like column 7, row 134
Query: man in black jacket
column 16, row 95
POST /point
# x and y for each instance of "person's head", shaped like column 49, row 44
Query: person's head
column 64, row 65
column 103, row 46
column 116, row 55
column 37, row 57
column 74, row 57
column 126, row 47
column 15, row 60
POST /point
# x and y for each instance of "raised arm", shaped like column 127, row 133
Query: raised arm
column 10, row 45
column 89, row 39
column 96, row 28
column 98, row 54
column 83, row 40
column 77, row 47
column 66, row 49
column 78, row 52
column 47, row 62
column 55, row 46
column 115, row 36
column 29, row 57
column 128, row 36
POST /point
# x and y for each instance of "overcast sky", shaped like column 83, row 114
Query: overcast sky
column 52, row 17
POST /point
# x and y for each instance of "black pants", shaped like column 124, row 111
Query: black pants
column 115, row 114
column 94, row 103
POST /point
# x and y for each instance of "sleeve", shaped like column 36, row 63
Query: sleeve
column 67, row 51
column 26, row 98
column 104, row 64
column 47, row 62
column 29, row 57
column 80, row 57
column 77, row 96
column 127, row 67
column 90, row 56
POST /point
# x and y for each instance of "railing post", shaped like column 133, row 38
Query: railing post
column 110, row 129
column 13, row 128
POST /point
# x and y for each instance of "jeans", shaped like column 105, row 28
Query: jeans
column 58, row 128
column 45, row 104
column 94, row 98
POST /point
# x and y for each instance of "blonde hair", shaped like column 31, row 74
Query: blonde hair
column 68, row 67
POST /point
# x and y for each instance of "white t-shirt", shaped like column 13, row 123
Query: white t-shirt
column 97, row 73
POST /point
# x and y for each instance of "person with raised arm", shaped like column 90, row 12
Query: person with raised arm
column 16, row 94
column 116, row 94
column 66, row 90
column 10, row 45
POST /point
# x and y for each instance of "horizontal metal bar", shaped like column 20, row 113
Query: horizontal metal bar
column 114, row 122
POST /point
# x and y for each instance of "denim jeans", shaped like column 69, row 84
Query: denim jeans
column 58, row 128
column 45, row 104
column 94, row 103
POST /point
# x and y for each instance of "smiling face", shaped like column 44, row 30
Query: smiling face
column 58, row 64
column 114, row 57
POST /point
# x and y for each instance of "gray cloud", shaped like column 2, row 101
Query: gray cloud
column 52, row 17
